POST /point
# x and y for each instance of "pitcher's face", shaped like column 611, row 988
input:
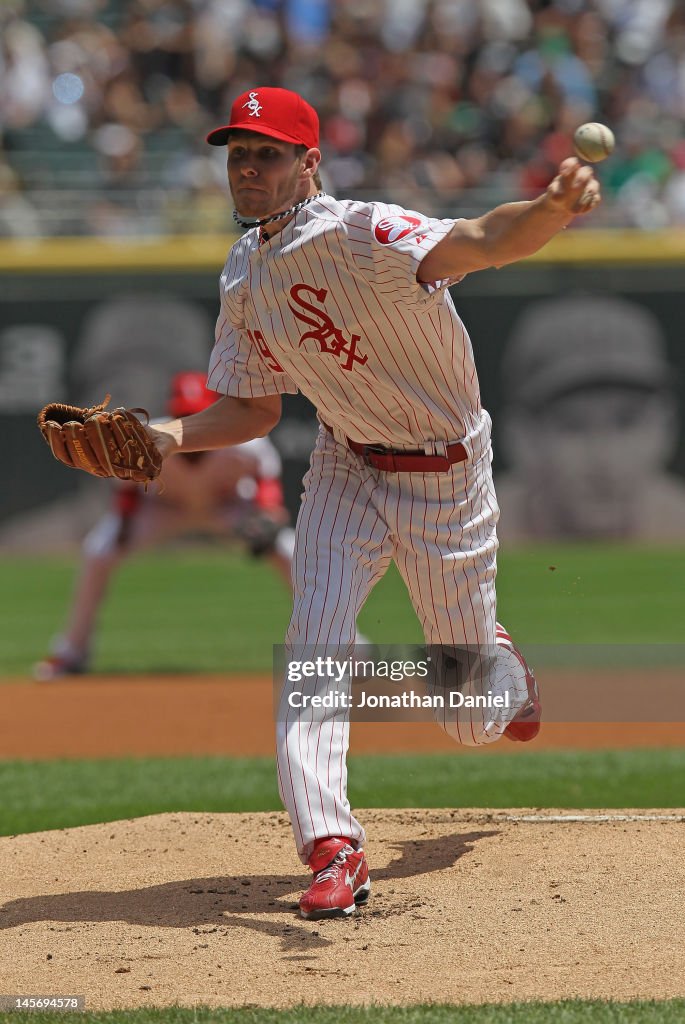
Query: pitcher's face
column 264, row 174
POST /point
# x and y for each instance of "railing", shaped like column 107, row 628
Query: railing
column 88, row 210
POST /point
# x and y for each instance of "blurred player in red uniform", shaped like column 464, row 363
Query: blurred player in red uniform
column 227, row 493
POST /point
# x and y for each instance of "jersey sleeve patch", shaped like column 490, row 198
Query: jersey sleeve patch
column 400, row 239
column 389, row 230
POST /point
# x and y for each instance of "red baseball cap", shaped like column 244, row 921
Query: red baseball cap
column 280, row 113
column 190, row 394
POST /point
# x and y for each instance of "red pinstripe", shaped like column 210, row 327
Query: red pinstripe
column 369, row 371
column 359, row 394
column 322, row 387
column 416, row 433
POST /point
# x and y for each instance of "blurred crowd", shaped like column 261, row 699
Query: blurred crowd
column 448, row 106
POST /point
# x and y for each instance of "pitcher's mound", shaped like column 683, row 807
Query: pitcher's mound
column 466, row 906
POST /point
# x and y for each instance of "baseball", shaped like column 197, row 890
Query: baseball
column 593, row 142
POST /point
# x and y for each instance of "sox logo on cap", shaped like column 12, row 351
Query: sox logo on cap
column 253, row 105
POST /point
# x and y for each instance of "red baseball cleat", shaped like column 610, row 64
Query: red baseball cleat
column 526, row 725
column 341, row 880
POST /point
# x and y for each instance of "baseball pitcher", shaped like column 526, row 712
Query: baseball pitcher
column 348, row 302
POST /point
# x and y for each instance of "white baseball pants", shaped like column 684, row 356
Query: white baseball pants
column 440, row 530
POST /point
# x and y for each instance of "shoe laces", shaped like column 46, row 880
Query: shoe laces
column 331, row 870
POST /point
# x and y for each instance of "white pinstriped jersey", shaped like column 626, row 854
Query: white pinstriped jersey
column 331, row 307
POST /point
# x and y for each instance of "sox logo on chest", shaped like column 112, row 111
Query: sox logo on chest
column 330, row 339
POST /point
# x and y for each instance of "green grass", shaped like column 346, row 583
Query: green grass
column 59, row 794
column 592, row 594
column 199, row 611
column 575, row 1011
column 213, row 610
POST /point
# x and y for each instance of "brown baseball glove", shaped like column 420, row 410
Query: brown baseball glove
column 111, row 444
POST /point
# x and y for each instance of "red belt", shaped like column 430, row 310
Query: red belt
column 393, row 460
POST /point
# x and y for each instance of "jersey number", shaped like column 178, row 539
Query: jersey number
column 258, row 339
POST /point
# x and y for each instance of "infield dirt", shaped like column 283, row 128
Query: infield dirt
column 466, row 906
